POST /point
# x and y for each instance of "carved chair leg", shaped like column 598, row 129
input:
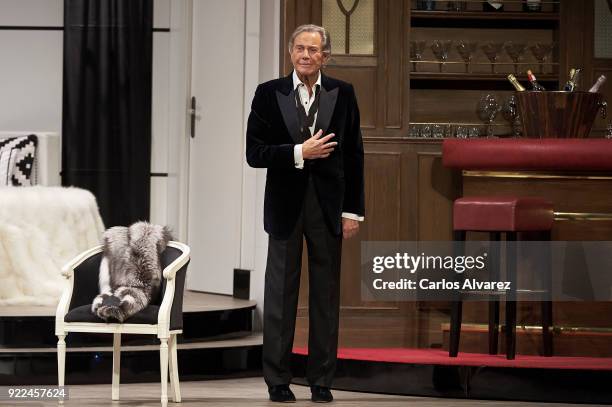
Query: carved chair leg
column 116, row 365
column 163, row 365
column 174, row 376
column 61, row 361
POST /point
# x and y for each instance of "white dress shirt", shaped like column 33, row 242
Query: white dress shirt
column 307, row 99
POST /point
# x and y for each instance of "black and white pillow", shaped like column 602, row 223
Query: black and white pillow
column 17, row 160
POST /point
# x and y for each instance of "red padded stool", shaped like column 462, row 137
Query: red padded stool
column 509, row 215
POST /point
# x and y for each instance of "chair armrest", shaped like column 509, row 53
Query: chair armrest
column 68, row 272
column 170, row 271
column 165, row 309
column 172, row 268
column 69, row 267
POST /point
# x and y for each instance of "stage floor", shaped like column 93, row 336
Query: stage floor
column 440, row 357
column 194, row 301
column 250, row 392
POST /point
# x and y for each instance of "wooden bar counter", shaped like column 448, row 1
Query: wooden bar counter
column 576, row 175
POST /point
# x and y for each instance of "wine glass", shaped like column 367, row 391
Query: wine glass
column 448, row 131
column 441, row 49
column 414, row 131
column 516, row 50
column 492, row 50
column 488, row 108
column 466, row 49
column 474, row 132
column 511, row 114
column 416, row 52
column 540, row 51
column 437, row 131
column 462, row 132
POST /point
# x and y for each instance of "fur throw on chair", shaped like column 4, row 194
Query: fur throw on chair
column 130, row 270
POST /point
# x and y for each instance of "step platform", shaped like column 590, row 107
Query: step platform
column 431, row 372
column 217, row 341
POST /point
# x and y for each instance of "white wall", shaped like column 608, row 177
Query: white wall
column 31, row 83
column 262, row 33
column 31, row 64
column 160, row 125
column 269, row 38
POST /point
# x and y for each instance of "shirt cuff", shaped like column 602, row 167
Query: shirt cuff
column 297, row 156
column 352, row 216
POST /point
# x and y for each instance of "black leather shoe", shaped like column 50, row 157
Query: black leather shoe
column 321, row 394
column 281, row 394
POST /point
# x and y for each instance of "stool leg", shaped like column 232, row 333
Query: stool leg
column 455, row 328
column 456, row 305
column 547, row 311
column 511, row 254
column 494, row 260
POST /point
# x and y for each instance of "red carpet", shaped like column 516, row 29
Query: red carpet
column 440, row 357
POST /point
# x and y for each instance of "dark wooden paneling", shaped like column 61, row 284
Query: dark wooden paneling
column 570, row 194
column 593, row 67
column 529, row 342
column 409, row 193
column 400, row 178
column 567, row 195
column 293, row 14
column 394, row 35
column 438, row 188
column 364, row 80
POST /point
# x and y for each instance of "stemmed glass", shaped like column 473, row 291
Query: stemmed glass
column 462, row 132
column 416, row 52
column 466, row 49
column 516, row 50
column 541, row 50
column 511, row 114
column 488, row 108
column 437, row 131
column 441, row 49
column 491, row 50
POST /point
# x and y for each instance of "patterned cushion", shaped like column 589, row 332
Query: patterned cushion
column 17, row 160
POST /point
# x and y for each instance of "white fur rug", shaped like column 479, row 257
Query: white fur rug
column 42, row 228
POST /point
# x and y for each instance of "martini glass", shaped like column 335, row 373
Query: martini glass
column 416, row 52
column 492, row 50
column 541, row 51
column 516, row 50
column 466, row 49
column 441, row 49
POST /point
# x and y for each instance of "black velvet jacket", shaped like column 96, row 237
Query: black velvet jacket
column 272, row 133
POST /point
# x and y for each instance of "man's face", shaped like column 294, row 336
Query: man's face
column 307, row 54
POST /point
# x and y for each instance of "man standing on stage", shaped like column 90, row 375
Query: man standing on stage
column 304, row 128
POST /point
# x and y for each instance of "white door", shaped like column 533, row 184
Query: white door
column 216, row 152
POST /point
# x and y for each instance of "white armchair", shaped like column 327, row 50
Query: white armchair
column 163, row 317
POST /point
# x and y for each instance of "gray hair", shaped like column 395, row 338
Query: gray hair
column 311, row 28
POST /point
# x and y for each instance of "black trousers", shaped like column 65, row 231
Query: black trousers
column 281, row 297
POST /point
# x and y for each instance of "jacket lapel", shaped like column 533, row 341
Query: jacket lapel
column 285, row 96
column 327, row 103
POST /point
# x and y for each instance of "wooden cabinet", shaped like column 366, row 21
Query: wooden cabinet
column 409, row 193
column 448, row 92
